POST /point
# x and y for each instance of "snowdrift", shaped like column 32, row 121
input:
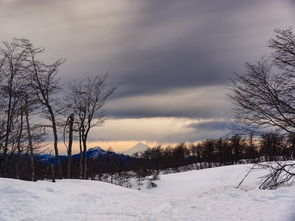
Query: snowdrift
column 208, row 194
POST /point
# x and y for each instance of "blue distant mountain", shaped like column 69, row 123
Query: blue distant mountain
column 95, row 153
column 49, row 158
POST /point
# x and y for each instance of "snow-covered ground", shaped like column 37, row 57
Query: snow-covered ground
column 208, row 194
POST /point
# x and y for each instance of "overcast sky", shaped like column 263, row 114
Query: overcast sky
column 172, row 59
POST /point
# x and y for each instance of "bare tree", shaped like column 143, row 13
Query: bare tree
column 28, row 126
column 20, row 140
column 283, row 45
column 86, row 100
column 279, row 174
column 17, row 101
column 45, row 85
column 11, row 71
column 264, row 96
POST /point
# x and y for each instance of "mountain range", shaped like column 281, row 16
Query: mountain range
column 95, row 153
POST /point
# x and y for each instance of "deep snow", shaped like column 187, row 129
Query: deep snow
column 208, row 194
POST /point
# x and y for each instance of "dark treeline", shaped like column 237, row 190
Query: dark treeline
column 219, row 152
column 223, row 151
column 236, row 149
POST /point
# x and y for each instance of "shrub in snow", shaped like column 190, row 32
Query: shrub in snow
column 151, row 184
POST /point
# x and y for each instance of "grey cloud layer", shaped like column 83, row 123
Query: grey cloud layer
column 153, row 49
column 193, row 102
column 214, row 125
column 195, row 43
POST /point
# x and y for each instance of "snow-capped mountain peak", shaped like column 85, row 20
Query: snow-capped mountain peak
column 138, row 148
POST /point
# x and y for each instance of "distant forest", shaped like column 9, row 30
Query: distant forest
column 236, row 149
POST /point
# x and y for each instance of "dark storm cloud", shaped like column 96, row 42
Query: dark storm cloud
column 152, row 48
column 193, row 43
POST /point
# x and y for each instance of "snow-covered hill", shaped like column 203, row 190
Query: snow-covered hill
column 138, row 148
column 208, row 194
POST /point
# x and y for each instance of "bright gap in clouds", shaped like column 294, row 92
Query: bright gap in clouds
column 121, row 134
column 175, row 116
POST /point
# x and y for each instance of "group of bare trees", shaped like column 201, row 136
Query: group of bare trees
column 235, row 149
column 85, row 100
column 35, row 107
column 264, row 96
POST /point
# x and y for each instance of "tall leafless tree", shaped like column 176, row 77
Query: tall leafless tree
column 86, row 100
column 45, row 85
column 264, row 96
column 11, row 71
column 16, row 103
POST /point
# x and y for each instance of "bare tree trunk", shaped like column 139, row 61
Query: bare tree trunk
column 33, row 174
column 55, row 145
column 84, row 140
column 8, row 128
column 81, row 154
column 52, row 167
column 71, row 124
column 18, row 144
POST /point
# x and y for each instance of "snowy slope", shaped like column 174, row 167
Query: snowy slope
column 138, row 148
column 195, row 195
